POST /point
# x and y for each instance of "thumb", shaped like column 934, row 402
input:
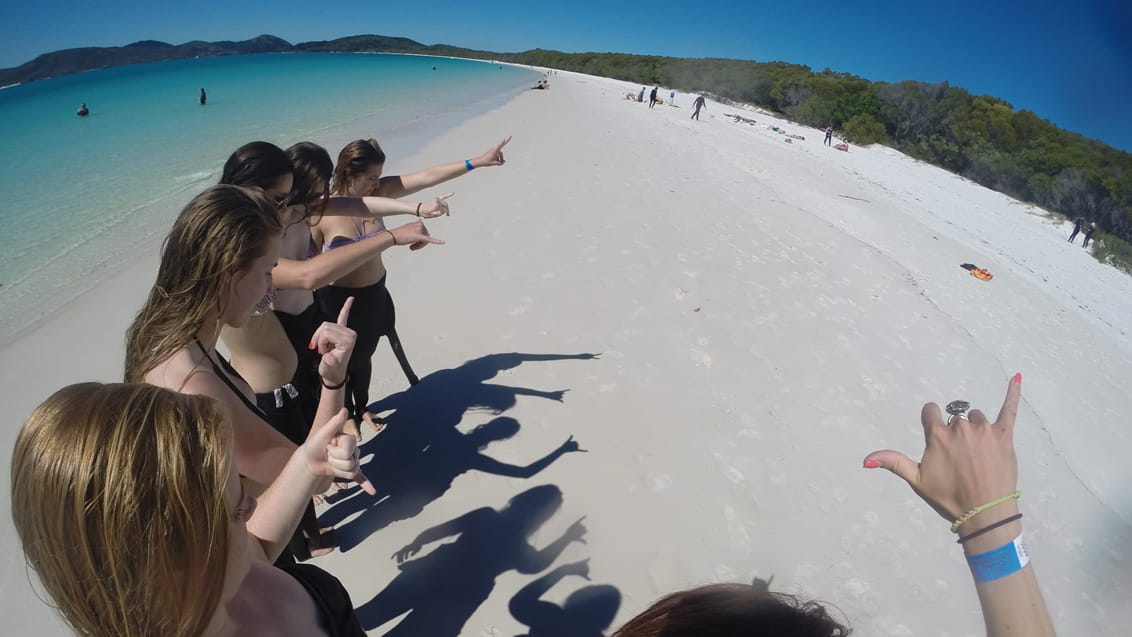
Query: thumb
column 897, row 463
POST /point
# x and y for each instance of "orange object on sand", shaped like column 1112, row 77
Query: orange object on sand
column 981, row 273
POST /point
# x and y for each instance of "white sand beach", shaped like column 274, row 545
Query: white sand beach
column 762, row 314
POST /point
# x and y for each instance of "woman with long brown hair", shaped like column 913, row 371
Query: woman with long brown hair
column 359, row 173
column 128, row 505
column 215, row 269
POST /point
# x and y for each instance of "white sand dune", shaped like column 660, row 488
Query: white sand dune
column 766, row 314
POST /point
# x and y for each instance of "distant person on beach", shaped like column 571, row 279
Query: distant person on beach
column 129, row 506
column 828, row 135
column 969, row 474
column 83, row 110
column 203, row 97
column 359, row 173
column 672, row 98
column 652, row 97
column 1078, row 223
column 698, row 104
column 1089, row 235
column 641, row 95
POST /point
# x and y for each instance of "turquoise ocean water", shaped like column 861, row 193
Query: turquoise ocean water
column 77, row 195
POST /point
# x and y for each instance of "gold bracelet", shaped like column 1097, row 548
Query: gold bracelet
column 983, row 507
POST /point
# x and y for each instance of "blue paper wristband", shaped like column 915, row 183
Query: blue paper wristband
column 468, row 164
column 1000, row 562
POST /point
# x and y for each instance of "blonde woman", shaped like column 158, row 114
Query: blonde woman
column 129, row 507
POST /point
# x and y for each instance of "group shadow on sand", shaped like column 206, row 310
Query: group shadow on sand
column 415, row 460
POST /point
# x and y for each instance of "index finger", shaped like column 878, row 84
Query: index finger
column 445, row 197
column 1009, row 410
column 344, row 313
column 503, row 143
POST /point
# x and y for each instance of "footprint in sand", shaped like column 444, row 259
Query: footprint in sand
column 680, row 293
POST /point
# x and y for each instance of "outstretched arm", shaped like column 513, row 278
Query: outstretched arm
column 439, row 532
column 526, row 606
column 397, row 186
column 379, row 207
column 323, row 269
column 536, row 561
column 968, row 464
column 491, row 465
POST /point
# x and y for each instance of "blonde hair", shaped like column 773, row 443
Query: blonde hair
column 220, row 232
column 354, row 159
column 118, row 497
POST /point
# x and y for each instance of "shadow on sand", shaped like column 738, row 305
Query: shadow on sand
column 440, row 590
column 421, row 452
column 587, row 612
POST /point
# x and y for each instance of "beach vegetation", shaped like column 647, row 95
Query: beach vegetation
column 864, row 129
column 980, row 137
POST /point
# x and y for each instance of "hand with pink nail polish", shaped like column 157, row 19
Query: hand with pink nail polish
column 965, row 464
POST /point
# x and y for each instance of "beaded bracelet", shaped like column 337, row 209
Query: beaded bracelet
column 982, row 507
column 985, row 529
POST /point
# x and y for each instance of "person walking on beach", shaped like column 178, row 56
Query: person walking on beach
column 672, row 98
column 1078, row 223
column 828, row 135
column 698, row 104
column 652, row 97
column 203, row 97
column 641, row 95
column 1089, row 235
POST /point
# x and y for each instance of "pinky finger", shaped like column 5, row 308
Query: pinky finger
column 364, row 483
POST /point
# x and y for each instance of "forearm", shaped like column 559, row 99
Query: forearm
column 405, row 185
column 544, row 558
column 330, row 403
column 323, row 269
column 279, row 508
column 1012, row 605
column 373, row 207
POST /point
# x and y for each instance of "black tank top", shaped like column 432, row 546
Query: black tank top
column 227, row 367
column 334, row 605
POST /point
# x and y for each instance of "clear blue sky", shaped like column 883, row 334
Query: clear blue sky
column 1070, row 62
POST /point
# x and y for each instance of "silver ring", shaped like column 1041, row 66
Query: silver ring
column 957, row 409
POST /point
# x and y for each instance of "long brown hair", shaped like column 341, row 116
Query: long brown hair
column 312, row 167
column 118, row 497
column 357, row 157
column 220, row 232
column 732, row 610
